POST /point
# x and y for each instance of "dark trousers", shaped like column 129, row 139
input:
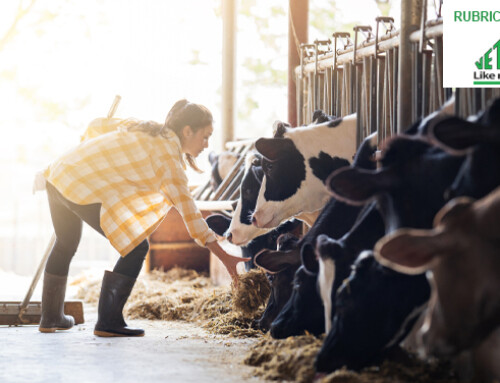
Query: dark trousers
column 67, row 218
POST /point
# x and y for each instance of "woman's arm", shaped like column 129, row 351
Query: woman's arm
column 229, row 261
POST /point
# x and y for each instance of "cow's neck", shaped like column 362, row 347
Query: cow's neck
column 309, row 218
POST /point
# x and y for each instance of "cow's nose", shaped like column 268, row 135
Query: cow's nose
column 230, row 238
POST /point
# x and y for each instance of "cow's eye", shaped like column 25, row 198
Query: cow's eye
column 268, row 167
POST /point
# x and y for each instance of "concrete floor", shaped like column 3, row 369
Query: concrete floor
column 170, row 352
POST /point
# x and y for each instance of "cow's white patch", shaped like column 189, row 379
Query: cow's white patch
column 242, row 234
column 312, row 194
column 326, row 278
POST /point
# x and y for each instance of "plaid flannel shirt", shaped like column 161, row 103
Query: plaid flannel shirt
column 137, row 178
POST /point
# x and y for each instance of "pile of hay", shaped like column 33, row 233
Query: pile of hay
column 292, row 359
column 180, row 294
column 287, row 359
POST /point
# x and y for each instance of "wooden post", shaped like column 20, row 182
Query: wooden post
column 411, row 13
column 297, row 34
column 228, row 69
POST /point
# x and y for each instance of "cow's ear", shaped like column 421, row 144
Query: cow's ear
column 411, row 251
column 275, row 261
column 457, row 136
column 309, row 260
column 212, row 157
column 273, row 148
column 358, row 186
column 279, row 128
column 218, row 223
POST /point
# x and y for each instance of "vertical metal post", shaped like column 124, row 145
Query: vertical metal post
column 411, row 12
column 228, row 69
column 297, row 33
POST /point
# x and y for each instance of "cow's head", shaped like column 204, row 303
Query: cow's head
column 375, row 308
column 461, row 254
column 409, row 187
column 241, row 231
column 336, row 256
column 303, row 311
column 480, row 142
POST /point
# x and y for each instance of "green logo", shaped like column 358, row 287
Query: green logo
column 486, row 65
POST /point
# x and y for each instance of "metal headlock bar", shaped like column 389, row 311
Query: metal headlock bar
column 362, row 76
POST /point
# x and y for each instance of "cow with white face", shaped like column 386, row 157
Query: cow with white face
column 296, row 165
column 241, row 230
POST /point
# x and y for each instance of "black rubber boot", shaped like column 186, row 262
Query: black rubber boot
column 115, row 291
column 53, row 318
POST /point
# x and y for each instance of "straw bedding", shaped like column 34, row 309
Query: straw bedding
column 186, row 295
column 180, row 294
column 292, row 359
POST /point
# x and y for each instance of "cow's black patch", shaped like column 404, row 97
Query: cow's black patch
column 285, row 173
column 335, row 123
column 249, row 191
column 324, row 165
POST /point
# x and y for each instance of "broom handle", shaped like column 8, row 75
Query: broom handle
column 36, row 278
column 114, row 106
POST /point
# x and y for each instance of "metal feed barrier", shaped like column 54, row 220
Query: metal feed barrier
column 358, row 73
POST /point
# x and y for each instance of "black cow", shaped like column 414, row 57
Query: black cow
column 280, row 266
column 375, row 308
column 332, row 259
column 409, row 189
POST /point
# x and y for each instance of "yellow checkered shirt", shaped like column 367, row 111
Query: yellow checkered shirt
column 137, row 178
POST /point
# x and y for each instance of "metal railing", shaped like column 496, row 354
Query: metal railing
column 358, row 73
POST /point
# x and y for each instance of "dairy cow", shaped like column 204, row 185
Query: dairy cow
column 241, row 230
column 375, row 308
column 332, row 258
column 462, row 251
column 477, row 139
column 280, row 266
column 304, row 310
column 409, row 188
column 290, row 186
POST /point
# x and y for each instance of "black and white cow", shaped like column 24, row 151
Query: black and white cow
column 409, row 189
column 375, row 308
column 332, row 258
column 241, row 230
column 290, row 186
column 304, row 310
column 280, row 266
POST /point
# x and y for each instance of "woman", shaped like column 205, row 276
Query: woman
column 122, row 184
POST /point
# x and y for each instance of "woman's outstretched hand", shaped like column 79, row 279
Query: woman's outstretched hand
column 229, row 261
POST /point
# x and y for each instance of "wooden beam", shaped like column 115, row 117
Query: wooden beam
column 298, row 11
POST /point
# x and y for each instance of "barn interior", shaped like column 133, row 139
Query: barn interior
column 270, row 72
